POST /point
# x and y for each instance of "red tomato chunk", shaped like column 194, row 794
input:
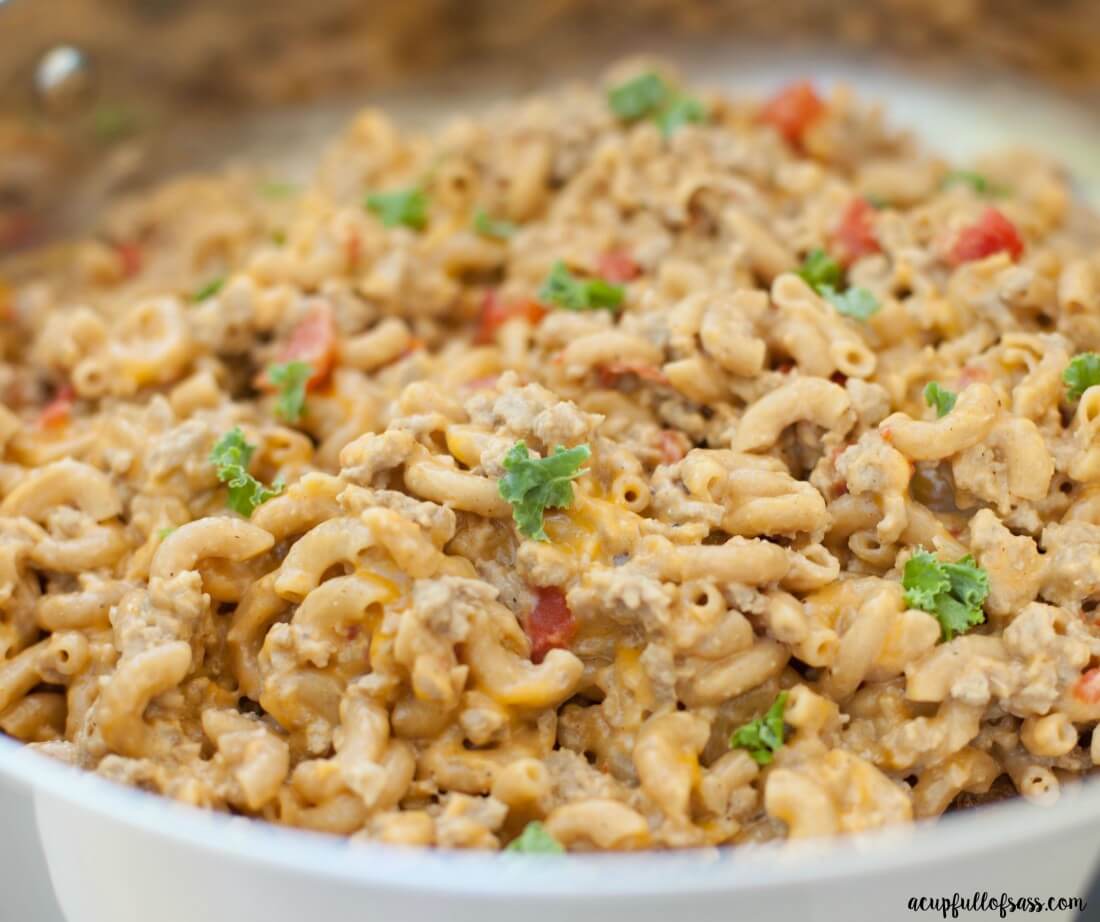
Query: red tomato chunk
column 551, row 625
column 1087, row 688
column 313, row 340
column 56, row 413
column 792, row 110
column 496, row 312
column 855, row 234
column 991, row 233
column 617, row 266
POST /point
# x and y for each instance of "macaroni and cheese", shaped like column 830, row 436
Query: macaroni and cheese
column 622, row 468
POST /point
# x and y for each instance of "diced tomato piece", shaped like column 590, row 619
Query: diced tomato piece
column 551, row 625
column 672, row 445
column 495, row 312
column 352, row 250
column 56, row 413
column 482, row 384
column 313, row 340
column 618, row 266
column 991, row 233
column 1087, row 688
column 792, row 110
column 855, row 234
column 970, row 374
column 130, row 258
column 17, row 229
column 611, row 372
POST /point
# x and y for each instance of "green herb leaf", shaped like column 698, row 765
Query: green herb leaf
column 230, row 457
column 565, row 290
column 278, row 189
column 163, row 533
column 645, row 95
column 876, row 201
column 408, row 207
column 1080, row 374
column 208, row 290
column 114, row 122
column 857, row 303
column 953, row 592
column 649, row 96
column 940, row 398
column 291, row 379
column 976, row 181
column 535, row 840
column 824, row 275
column 819, row 269
column 679, row 112
column 496, row 228
column 763, row 737
column 532, row 484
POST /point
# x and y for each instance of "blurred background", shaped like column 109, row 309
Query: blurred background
column 101, row 96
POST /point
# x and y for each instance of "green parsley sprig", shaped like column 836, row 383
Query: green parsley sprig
column 940, row 398
column 230, row 457
column 207, row 291
column 564, row 289
column 825, row 276
column 764, row 736
column 649, row 96
column 979, row 183
column 532, row 484
column 1080, row 374
column 277, row 189
column 291, row 379
column 953, row 592
column 535, row 840
column 488, row 226
column 113, row 122
column 401, row 207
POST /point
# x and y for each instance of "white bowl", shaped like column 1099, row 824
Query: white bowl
column 112, row 854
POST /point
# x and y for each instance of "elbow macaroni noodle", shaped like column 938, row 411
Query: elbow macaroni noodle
column 378, row 651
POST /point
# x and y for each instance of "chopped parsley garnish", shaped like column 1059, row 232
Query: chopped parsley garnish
column 681, row 111
column 278, row 189
column 939, row 398
column 535, row 840
column 208, row 290
column 857, row 303
column 976, row 181
column 163, row 533
column 1081, row 373
column 402, row 207
column 763, row 737
column 820, row 269
column 114, row 122
column 532, row 484
column 291, row 379
column 488, row 226
column 953, row 592
column 564, row 289
column 876, row 201
column 637, row 98
column 230, row 457
column 649, row 96
column 825, row 275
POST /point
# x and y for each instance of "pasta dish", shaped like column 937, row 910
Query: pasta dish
column 627, row 467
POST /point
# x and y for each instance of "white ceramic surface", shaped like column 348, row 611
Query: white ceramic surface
column 117, row 855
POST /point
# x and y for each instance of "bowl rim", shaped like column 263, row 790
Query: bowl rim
column 477, row 873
